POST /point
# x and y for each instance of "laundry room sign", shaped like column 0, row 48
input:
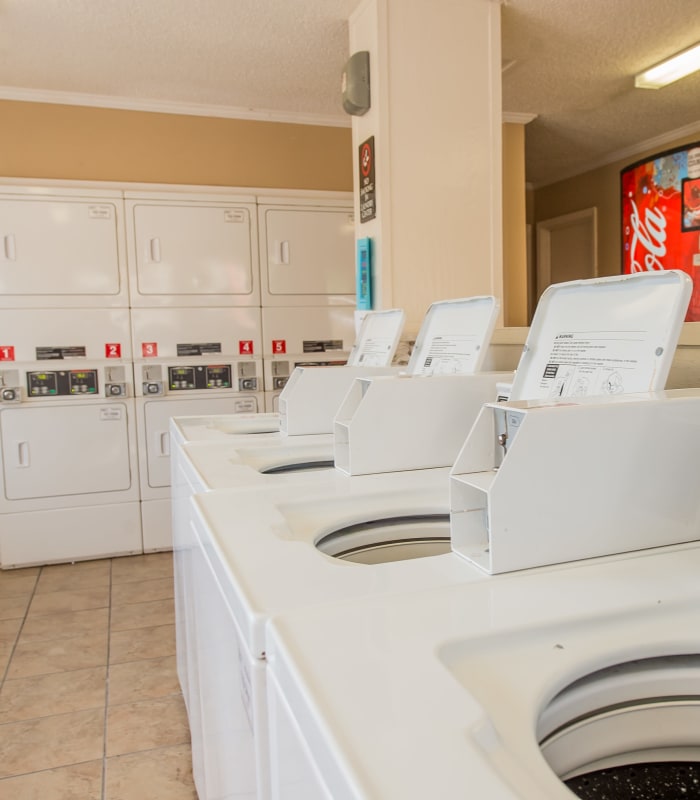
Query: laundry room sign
column 368, row 194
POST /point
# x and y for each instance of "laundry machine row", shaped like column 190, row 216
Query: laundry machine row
column 284, row 550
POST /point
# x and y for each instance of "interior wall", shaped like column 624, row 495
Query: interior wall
column 515, row 278
column 47, row 141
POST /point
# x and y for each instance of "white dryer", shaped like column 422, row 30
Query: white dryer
column 68, row 432
column 62, row 248
column 189, row 361
column 578, row 680
column 289, row 548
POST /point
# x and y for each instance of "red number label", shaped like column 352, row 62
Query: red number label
column 245, row 347
column 149, row 349
column 279, row 346
column 7, row 353
column 113, row 350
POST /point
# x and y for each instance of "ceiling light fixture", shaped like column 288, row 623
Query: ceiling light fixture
column 670, row 70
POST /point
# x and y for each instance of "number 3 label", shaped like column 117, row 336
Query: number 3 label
column 149, row 349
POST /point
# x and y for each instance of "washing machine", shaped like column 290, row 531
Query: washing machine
column 68, row 432
column 62, row 248
column 581, row 680
column 290, row 547
column 188, row 362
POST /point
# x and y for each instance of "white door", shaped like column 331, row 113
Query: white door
column 63, row 248
column 65, row 450
column 192, row 253
column 307, row 255
column 567, row 248
column 157, row 415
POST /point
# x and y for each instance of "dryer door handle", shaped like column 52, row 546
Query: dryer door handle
column 9, row 247
column 164, row 444
column 23, row 454
column 154, row 249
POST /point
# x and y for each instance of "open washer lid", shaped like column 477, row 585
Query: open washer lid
column 377, row 339
column 454, row 337
column 603, row 336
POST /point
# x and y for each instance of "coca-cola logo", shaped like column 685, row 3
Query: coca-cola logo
column 650, row 236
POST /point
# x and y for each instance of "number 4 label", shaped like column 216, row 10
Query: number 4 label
column 245, row 347
column 7, row 353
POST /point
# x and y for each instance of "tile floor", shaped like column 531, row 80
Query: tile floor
column 90, row 705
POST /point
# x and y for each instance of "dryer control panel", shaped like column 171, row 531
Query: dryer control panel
column 52, row 383
column 212, row 376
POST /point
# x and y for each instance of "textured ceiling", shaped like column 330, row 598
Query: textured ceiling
column 570, row 63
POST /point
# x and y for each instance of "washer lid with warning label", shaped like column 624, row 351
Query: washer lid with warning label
column 377, row 339
column 454, row 337
column 604, row 336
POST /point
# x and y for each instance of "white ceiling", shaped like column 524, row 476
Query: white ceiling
column 569, row 62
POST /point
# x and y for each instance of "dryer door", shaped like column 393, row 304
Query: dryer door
column 157, row 415
column 65, row 450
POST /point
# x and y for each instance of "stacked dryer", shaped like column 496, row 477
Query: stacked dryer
column 195, row 298
column 307, row 291
column 67, row 423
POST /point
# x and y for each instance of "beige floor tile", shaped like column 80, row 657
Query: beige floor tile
column 65, row 625
column 145, row 591
column 13, row 607
column 81, row 575
column 9, row 628
column 58, row 655
column 146, row 724
column 143, row 615
column 50, row 742
column 143, row 680
column 153, row 775
column 69, row 600
column 77, row 782
column 141, row 643
column 57, row 693
column 141, row 568
column 20, row 586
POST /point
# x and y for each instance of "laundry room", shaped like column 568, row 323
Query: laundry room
column 349, row 387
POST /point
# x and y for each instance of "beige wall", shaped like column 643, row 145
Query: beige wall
column 39, row 140
column 599, row 188
column 515, row 279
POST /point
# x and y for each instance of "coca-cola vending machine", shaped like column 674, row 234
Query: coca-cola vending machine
column 661, row 216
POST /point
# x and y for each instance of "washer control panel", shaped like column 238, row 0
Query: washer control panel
column 211, row 376
column 59, row 383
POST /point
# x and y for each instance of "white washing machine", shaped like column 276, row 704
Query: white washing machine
column 62, row 248
column 193, row 362
column 291, row 550
column 192, row 250
column 578, row 680
column 68, row 432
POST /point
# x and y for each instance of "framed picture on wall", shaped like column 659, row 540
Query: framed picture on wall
column 661, row 216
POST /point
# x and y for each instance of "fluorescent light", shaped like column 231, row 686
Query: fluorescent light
column 670, row 70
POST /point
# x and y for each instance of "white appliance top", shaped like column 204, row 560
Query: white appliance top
column 454, row 337
column 278, row 527
column 603, row 336
column 212, row 428
column 437, row 693
column 377, row 339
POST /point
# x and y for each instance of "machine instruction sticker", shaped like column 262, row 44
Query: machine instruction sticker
column 50, row 353
column 111, row 414
column 198, row 349
column 596, row 362
column 449, row 355
column 322, row 345
column 374, row 352
column 99, row 212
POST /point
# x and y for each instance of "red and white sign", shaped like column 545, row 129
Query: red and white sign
column 7, row 353
column 149, row 349
column 279, row 346
column 245, row 347
column 113, row 350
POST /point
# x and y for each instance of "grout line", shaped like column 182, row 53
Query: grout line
column 109, row 638
column 19, row 630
